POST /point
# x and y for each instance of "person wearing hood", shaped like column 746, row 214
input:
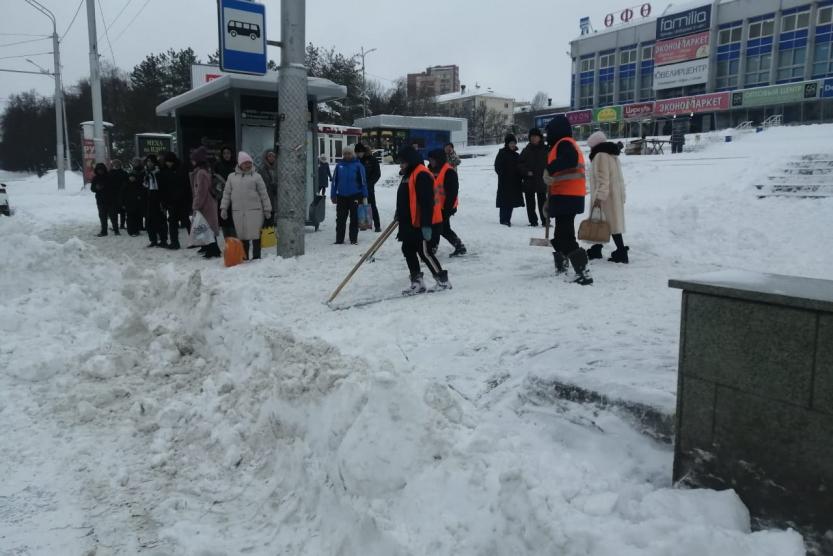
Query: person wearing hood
column 106, row 198
column 269, row 172
column 446, row 191
column 373, row 174
column 509, row 189
column 349, row 189
column 608, row 193
column 419, row 219
column 325, row 176
column 119, row 178
column 451, row 156
column 156, row 222
column 246, row 194
column 533, row 162
column 135, row 198
column 567, row 182
column 203, row 200
column 174, row 186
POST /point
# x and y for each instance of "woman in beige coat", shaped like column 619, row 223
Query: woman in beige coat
column 246, row 193
column 608, row 193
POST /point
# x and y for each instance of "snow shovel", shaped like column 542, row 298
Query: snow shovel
column 370, row 252
column 545, row 241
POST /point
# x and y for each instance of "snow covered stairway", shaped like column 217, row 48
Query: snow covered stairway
column 806, row 177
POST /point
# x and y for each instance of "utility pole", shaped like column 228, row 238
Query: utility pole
column 363, row 54
column 95, row 85
column 290, row 216
column 59, row 94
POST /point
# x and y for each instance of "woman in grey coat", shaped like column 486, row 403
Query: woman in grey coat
column 246, row 192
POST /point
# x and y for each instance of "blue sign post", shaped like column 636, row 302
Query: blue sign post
column 242, row 26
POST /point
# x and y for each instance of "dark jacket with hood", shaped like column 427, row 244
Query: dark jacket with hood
column 324, row 176
column 566, row 158
column 119, row 178
column 371, row 168
column 452, row 181
column 225, row 167
column 106, row 192
column 173, row 181
column 534, row 160
column 134, row 196
column 424, row 197
column 509, row 188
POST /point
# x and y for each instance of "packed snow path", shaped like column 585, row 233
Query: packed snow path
column 155, row 403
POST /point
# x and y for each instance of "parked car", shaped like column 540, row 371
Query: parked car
column 4, row 201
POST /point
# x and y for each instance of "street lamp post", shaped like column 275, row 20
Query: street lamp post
column 59, row 95
column 364, row 54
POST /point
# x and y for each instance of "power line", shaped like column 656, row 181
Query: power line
column 25, row 55
column 107, row 33
column 26, row 41
column 118, row 15
column 134, row 19
column 78, row 9
column 21, row 35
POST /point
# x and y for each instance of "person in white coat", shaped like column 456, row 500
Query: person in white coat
column 608, row 193
column 246, row 194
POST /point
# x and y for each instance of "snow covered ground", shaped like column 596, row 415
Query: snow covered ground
column 155, row 403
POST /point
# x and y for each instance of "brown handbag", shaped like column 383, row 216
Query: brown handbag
column 594, row 230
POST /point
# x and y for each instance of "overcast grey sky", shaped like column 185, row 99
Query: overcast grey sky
column 517, row 48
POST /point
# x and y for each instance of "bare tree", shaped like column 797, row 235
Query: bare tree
column 540, row 100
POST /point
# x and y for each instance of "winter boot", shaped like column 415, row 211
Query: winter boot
column 620, row 256
column 442, row 282
column 459, row 250
column 561, row 263
column 102, row 233
column 212, row 251
column 417, row 285
column 595, row 252
column 578, row 258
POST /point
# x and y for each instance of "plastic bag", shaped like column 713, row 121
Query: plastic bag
column 268, row 237
column 364, row 216
column 233, row 253
column 201, row 232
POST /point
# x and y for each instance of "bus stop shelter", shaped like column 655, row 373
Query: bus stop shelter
column 241, row 111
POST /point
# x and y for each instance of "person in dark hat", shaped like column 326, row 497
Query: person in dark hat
column 567, row 183
column 533, row 162
column 156, row 222
column 509, row 188
column 418, row 221
column 373, row 173
column 446, row 191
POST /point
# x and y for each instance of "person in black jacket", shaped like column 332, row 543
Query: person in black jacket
column 533, row 162
column 509, row 190
column 135, row 199
column 106, row 198
column 156, row 222
column 119, row 178
column 325, row 175
column 416, row 230
column 373, row 174
column 437, row 163
column 173, row 187
column 224, row 168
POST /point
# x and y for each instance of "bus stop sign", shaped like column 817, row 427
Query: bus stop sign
column 242, row 36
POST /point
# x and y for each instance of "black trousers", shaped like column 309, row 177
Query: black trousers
column 134, row 222
column 414, row 250
column 172, row 219
column 371, row 200
column 530, row 197
column 564, row 235
column 122, row 217
column 255, row 248
column 506, row 215
column 156, row 219
column 106, row 211
column 347, row 206
column 444, row 230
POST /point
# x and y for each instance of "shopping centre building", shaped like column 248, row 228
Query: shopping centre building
column 718, row 64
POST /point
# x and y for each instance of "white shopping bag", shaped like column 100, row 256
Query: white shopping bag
column 201, row 233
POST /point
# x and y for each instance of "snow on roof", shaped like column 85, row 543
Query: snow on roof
column 448, row 97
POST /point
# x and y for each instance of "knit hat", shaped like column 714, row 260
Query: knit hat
column 323, row 158
column 596, row 139
column 536, row 131
column 242, row 157
column 359, row 148
column 200, row 155
column 509, row 139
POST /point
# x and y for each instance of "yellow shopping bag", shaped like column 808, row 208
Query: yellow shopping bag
column 268, row 237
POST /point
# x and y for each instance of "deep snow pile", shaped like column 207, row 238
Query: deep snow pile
column 159, row 404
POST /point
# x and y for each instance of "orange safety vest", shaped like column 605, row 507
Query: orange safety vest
column 439, row 187
column 416, row 221
column 572, row 181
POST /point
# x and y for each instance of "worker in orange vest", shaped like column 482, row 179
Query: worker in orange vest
column 446, row 189
column 566, row 180
column 418, row 221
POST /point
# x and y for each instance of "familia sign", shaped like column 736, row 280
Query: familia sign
column 693, row 105
column 680, row 24
column 683, row 74
column 778, row 94
column 682, row 49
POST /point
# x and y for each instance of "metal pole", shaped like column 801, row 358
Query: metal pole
column 290, row 215
column 66, row 132
column 59, row 119
column 364, row 54
column 95, row 85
